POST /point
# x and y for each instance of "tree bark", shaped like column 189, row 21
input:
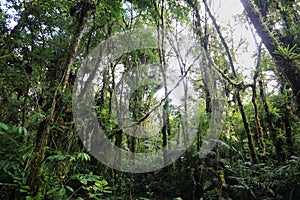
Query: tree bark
column 260, row 132
column 35, row 180
column 273, row 131
column 290, row 69
column 238, row 96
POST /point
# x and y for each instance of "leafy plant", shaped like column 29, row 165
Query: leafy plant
column 288, row 52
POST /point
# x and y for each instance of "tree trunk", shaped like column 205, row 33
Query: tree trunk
column 247, row 129
column 290, row 69
column 238, row 97
column 35, row 180
column 260, row 133
column 288, row 131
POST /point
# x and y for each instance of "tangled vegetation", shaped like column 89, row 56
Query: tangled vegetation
column 43, row 44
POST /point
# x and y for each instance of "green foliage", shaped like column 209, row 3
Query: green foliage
column 95, row 186
column 262, row 181
column 33, row 61
column 288, row 53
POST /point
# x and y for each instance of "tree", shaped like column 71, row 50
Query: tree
column 276, row 22
column 42, row 156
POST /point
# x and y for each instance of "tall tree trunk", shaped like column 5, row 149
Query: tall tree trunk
column 165, row 130
column 273, row 131
column 260, row 133
column 35, row 180
column 238, row 97
column 203, row 39
column 290, row 69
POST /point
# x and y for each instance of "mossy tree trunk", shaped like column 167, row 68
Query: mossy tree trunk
column 35, row 180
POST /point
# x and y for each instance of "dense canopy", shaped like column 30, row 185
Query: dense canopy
column 149, row 99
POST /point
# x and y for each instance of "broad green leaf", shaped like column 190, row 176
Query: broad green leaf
column 3, row 126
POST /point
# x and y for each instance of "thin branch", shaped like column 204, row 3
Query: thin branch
column 165, row 98
column 221, row 38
